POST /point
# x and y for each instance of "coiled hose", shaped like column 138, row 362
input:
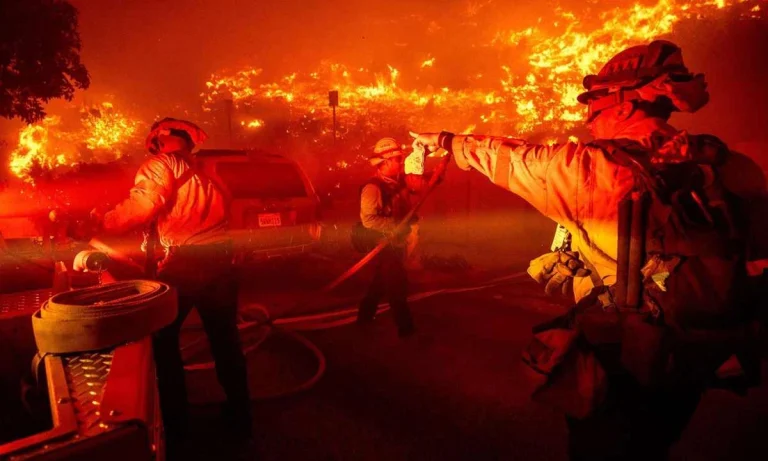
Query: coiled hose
column 102, row 316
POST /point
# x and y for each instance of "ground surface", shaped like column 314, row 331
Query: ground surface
column 455, row 391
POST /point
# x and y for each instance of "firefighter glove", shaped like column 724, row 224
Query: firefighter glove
column 414, row 162
column 557, row 270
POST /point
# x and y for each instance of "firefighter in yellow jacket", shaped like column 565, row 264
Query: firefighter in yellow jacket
column 581, row 186
column 187, row 210
column 385, row 199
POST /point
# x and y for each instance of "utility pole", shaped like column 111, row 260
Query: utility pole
column 468, row 216
column 333, row 101
column 229, row 105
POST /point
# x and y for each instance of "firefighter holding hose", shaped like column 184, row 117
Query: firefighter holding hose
column 665, row 234
column 188, row 212
column 385, row 199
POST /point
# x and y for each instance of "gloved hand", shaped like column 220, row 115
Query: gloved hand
column 556, row 271
column 414, row 162
column 426, row 140
column 433, row 141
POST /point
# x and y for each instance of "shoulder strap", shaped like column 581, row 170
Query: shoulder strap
column 378, row 183
column 193, row 171
column 373, row 180
column 626, row 153
column 631, row 154
column 185, row 177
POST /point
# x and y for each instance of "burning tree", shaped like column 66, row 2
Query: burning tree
column 103, row 134
column 39, row 56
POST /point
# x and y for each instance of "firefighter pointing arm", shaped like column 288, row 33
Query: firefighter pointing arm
column 647, row 206
column 542, row 175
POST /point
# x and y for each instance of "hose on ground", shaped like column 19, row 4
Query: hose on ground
column 290, row 326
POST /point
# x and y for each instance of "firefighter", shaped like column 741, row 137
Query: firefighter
column 187, row 210
column 614, row 409
column 385, row 199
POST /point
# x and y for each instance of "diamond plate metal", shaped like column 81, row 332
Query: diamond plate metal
column 86, row 378
column 23, row 302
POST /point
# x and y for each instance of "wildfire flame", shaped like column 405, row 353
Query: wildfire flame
column 253, row 123
column 108, row 129
column 32, row 152
column 538, row 96
column 104, row 134
column 560, row 60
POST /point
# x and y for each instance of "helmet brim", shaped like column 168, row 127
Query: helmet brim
column 196, row 134
column 379, row 158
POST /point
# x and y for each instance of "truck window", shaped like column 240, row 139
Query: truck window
column 262, row 180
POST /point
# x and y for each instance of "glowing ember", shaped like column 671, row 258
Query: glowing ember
column 253, row 123
column 341, row 165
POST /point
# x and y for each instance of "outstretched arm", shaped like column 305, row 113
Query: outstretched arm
column 528, row 170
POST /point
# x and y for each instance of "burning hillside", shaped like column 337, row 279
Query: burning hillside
column 520, row 81
column 536, row 93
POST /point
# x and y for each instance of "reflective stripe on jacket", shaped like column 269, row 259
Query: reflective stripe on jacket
column 194, row 212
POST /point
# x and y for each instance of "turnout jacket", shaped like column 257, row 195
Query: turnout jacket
column 576, row 185
column 189, row 208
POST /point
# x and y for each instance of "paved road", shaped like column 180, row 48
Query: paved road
column 455, row 391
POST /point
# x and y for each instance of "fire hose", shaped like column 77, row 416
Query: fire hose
column 65, row 323
column 433, row 182
column 102, row 316
column 342, row 317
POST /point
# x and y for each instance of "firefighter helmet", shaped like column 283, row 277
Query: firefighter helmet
column 192, row 133
column 386, row 148
column 654, row 73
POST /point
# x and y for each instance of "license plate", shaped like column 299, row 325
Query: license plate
column 270, row 220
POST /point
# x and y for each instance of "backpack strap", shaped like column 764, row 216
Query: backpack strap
column 191, row 171
column 632, row 218
column 604, row 294
column 386, row 196
column 185, row 177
